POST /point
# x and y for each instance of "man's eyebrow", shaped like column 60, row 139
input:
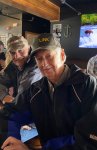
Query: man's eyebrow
column 11, row 51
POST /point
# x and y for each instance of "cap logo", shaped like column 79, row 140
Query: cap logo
column 44, row 40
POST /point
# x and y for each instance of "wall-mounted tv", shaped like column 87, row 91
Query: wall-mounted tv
column 88, row 31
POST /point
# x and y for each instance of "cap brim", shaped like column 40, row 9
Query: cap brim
column 43, row 48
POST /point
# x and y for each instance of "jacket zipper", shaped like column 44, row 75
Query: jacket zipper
column 35, row 95
column 76, row 93
column 54, row 110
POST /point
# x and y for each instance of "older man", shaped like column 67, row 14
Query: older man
column 19, row 75
column 60, row 103
column 22, row 70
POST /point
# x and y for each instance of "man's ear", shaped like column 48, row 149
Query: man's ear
column 63, row 56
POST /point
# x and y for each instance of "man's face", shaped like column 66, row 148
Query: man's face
column 19, row 57
column 1, row 48
column 50, row 63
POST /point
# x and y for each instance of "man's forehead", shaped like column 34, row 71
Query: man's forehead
column 12, row 50
column 18, row 49
column 43, row 52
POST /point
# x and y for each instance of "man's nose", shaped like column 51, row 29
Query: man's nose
column 44, row 62
column 17, row 55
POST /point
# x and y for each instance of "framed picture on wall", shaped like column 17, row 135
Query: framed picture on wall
column 57, row 28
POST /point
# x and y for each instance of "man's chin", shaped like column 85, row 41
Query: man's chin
column 18, row 64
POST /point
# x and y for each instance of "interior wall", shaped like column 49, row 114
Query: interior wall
column 66, row 12
column 71, row 42
column 8, row 28
column 6, row 25
column 34, row 24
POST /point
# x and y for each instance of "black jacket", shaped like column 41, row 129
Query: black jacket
column 20, row 80
column 60, row 118
column 2, row 57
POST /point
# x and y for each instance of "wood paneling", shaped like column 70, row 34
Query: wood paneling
column 42, row 8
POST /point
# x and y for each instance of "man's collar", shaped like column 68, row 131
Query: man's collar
column 64, row 77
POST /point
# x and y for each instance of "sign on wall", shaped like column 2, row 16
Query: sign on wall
column 57, row 29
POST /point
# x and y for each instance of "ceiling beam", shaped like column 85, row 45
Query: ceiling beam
column 42, row 8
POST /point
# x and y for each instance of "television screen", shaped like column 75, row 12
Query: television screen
column 88, row 31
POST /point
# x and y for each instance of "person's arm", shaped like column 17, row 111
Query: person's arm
column 13, row 143
column 3, row 92
column 4, row 86
column 5, row 80
column 13, row 116
column 86, row 126
column 2, row 63
column 19, row 104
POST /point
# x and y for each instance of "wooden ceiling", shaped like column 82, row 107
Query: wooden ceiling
column 51, row 10
column 42, row 8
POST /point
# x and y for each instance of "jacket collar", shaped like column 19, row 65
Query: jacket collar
column 76, row 77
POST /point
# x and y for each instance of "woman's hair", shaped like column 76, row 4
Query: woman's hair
column 8, row 58
column 1, row 43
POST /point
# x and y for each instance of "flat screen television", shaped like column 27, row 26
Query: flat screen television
column 88, row 31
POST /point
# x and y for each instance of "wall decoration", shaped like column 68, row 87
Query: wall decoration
column 67, row 31
column 57, row 28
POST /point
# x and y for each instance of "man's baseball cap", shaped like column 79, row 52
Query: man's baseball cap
column 16, row 43
column 45, row 41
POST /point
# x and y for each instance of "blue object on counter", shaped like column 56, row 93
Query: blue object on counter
column 28, row 134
